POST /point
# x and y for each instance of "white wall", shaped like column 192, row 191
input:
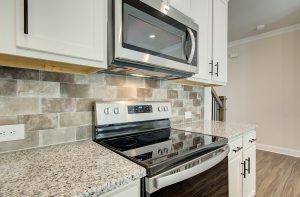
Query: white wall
column 264, row 88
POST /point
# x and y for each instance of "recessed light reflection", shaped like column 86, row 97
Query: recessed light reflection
column 152, row 36
column 138, row 75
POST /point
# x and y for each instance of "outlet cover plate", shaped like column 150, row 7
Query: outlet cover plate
column 12, row 132
column 188, row 115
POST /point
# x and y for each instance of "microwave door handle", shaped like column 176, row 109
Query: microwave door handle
column 167, row 180
column 193, row 39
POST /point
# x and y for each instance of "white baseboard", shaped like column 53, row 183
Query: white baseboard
column 279, row 150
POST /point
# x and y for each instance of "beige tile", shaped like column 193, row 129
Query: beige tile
column 86, row 105
column 84, row 132
column 39, row 121
column 193, row 95
column 106, row 93
column 187, row 88
column 115, row 80
column 31, row 140
column 177, row 103
column 126, row 93
column 56, row 105
column 172, row 94
column 8, row 87
column 38, row 88
column 10, row 106
column 75, row 90
column 18, row 73
column 75, row 119
column 135, row 82
column 57, row 77
column 8, row 120
column 150, row 83
column 197, row 102
column 144, row 92
column 56, row 136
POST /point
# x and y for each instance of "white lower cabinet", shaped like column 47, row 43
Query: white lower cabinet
column 242, row 166
column 130, row 190
column 249, row 182
column 235, row 177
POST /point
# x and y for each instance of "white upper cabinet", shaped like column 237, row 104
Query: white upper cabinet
column 201, row 12
column 220, row 9
column 211, row 16
column 183, row 6
column 65, row 31
column 65, row 27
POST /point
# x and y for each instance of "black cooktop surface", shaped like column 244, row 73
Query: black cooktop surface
column 163, row 148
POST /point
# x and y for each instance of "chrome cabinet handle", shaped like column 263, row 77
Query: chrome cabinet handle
column 25, row 16
column 192, row 54
column 211, row 67
column 238, row 149
column 244, row 169
column 248, row 160
column 217, row 73
column 252, row 140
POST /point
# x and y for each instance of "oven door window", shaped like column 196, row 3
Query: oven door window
column 150, row 31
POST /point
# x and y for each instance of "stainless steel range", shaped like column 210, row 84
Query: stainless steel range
column 178, row 163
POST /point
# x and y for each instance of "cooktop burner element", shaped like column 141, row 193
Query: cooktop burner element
column 127, row 142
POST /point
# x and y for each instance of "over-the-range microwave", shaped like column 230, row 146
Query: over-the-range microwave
column 149, row 38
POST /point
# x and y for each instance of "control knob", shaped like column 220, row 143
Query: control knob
column 166, row 108
column 166, row 150
column 107, row 111
column 160, row 152
column 160, row 109
column 117, row 110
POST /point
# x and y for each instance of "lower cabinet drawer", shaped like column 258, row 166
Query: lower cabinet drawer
column 236, row 147
column 249, row 139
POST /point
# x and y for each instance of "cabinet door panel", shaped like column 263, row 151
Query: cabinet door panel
column 183, row 6
column 74, row 28
column 202, row 13
column 220, row 40
column 235, row 176
column 249, row 183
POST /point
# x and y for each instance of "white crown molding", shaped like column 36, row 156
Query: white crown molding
column 279, row 150
column 264, row 35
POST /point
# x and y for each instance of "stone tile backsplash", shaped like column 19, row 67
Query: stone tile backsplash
column 57, row 107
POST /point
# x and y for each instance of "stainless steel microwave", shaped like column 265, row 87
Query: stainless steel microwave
column 149, row 38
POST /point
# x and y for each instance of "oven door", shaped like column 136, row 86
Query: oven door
column 205, row 176
column 151, row 36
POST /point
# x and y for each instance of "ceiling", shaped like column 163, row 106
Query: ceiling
column 245, row 15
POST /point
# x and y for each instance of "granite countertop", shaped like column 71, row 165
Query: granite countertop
column 221, row 129
column 75, row 169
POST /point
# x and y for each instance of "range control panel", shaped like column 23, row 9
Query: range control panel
column 123, row 112
column 136, row 109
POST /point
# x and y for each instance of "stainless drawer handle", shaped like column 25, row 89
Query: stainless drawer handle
column 252, row 140
column 238, row 149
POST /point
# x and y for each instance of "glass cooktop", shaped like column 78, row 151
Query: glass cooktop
column 160, row 149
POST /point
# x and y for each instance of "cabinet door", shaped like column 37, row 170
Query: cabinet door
column 220, row 40
column 235, row 176
column 65, row 27
column 202, row 13
column 130, row 190
column 249, row 183
column 183, row 6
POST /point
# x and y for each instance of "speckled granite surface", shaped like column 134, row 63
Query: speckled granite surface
column 76, row 169
column 222, row 129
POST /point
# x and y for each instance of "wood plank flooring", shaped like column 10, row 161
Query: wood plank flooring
column 277, row 175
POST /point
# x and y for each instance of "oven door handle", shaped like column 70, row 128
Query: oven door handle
column 193, row 50
column 167, row 180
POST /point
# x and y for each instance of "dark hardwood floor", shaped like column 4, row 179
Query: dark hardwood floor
column 277, row 175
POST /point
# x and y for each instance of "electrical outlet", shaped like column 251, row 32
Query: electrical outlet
column 188, row 115
column 11, row 132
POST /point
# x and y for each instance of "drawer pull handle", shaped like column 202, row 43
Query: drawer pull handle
column 244, row 169
column 238, row 149
column 253, row 140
